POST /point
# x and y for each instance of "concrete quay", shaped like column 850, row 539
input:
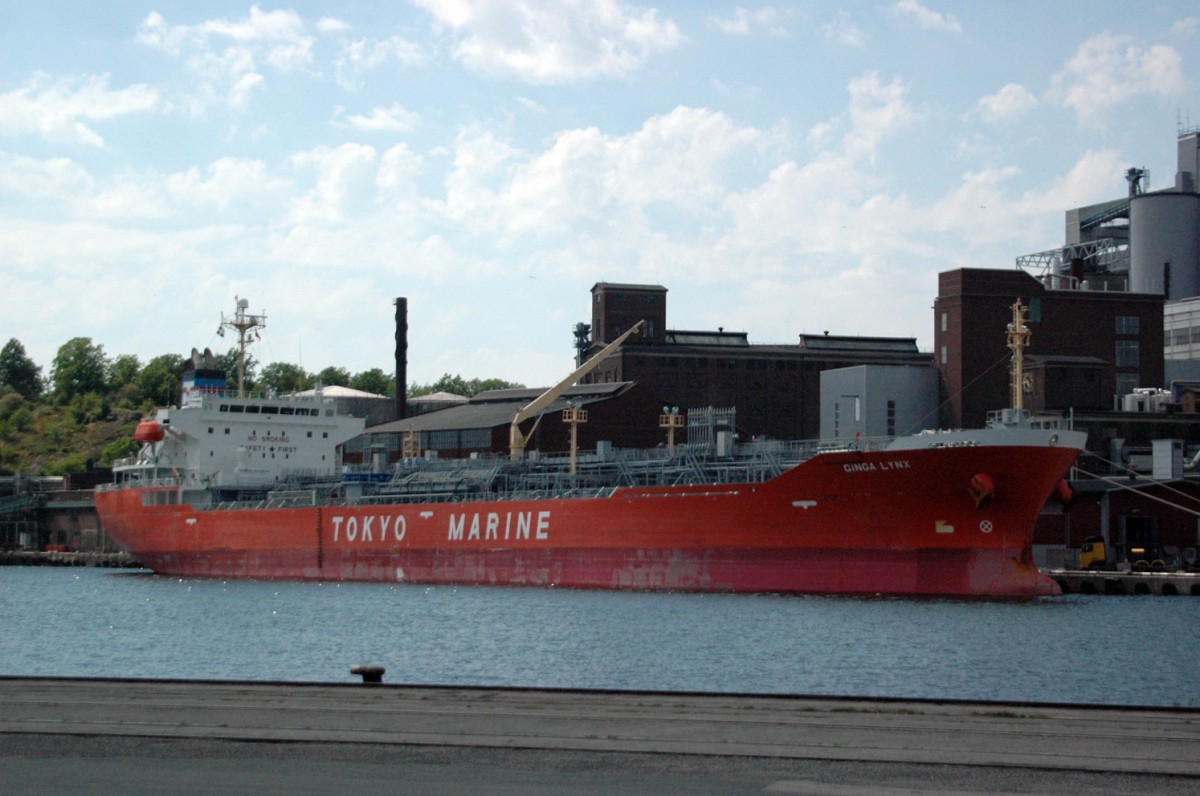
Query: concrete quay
column 138, row 736
column 1167, row 584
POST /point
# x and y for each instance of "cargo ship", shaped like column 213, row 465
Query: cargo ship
column 233, row 485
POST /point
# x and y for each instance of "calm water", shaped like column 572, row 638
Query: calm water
column 87, row 622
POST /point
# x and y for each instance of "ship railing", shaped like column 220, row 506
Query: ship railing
column 261, row 503
column 205, row 395
column 291, row 498
column 488, row 497
column 138, row 483
column 458, row 479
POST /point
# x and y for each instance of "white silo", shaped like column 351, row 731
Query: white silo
column 1164, row 244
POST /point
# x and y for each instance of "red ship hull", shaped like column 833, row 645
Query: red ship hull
column 906, row 522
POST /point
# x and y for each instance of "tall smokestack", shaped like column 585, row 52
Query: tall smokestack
column 401, row 357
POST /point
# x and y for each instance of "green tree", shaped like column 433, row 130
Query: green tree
column 122, row 370
column 118, row 449
column 18, row 371
column 80, row 367
column 334, row 377
column 70, row 464
column 122, row 381
column 459, row 386
column 375, row 381
column 483, row 385
column 88, row 408
column 15, row 416
column 285, row 377
column 159, row 379
column 228, row 362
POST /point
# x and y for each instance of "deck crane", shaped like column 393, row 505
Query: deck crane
column 517, row 440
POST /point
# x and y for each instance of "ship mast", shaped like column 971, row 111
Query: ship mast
column 243, row 323
column 1018, row 340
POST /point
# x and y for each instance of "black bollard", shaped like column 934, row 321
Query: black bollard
column 370, row 673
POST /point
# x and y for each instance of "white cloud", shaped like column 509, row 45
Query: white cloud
column 228, row 182
column 1095, row 177
column 57, row 110
column 1186, row 27
column 329, row 25
column 343, row 184
column 927, row 18
column 394, row 119
column 843, row 31
column 57, row 181
column 226, row 54
column 876, row 110
column 271, row 29
column 1011, row 101
column 553, row 43
column 360, row 56
column 1108, row 70
column 663, row 182
column 744, row 21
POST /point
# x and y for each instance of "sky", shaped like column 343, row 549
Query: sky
column 781, row 169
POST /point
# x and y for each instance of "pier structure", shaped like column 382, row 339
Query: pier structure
column 1167, row 584
column 217, row 737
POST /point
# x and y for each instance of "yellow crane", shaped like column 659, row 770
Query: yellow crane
column 517, row 440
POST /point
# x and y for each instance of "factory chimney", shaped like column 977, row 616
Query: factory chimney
column 401, row 357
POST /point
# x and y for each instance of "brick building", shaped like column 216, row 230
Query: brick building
column 776, row 389
column 1087, row 347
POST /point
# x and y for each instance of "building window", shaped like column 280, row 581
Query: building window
column 442, row 440
column 1127, row 324
column 1126, row 383
column 944, row 357
column 477, row 438
column 891, row 416
column 943, row 321
column 1127, row 354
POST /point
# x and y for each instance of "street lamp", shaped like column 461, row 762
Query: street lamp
column 670, row 419
column 574, row 415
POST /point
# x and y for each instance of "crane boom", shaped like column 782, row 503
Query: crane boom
column 516, row 440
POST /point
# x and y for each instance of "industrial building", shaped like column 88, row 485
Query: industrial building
column 621, row 414
column 776, row 388
column 877, row 401
column 765, row 391
column 1087, row 346
column 1147, row 242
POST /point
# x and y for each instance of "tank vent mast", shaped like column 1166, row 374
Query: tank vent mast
column 1018, row 341
column 243, row 323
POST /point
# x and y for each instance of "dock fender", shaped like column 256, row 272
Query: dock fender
column 982, row 489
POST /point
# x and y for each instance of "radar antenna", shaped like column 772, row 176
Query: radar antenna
column 243, row 323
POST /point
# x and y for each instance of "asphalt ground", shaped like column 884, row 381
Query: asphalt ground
column 139, row 736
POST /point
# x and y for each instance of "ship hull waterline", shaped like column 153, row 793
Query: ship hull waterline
column 889, row 522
